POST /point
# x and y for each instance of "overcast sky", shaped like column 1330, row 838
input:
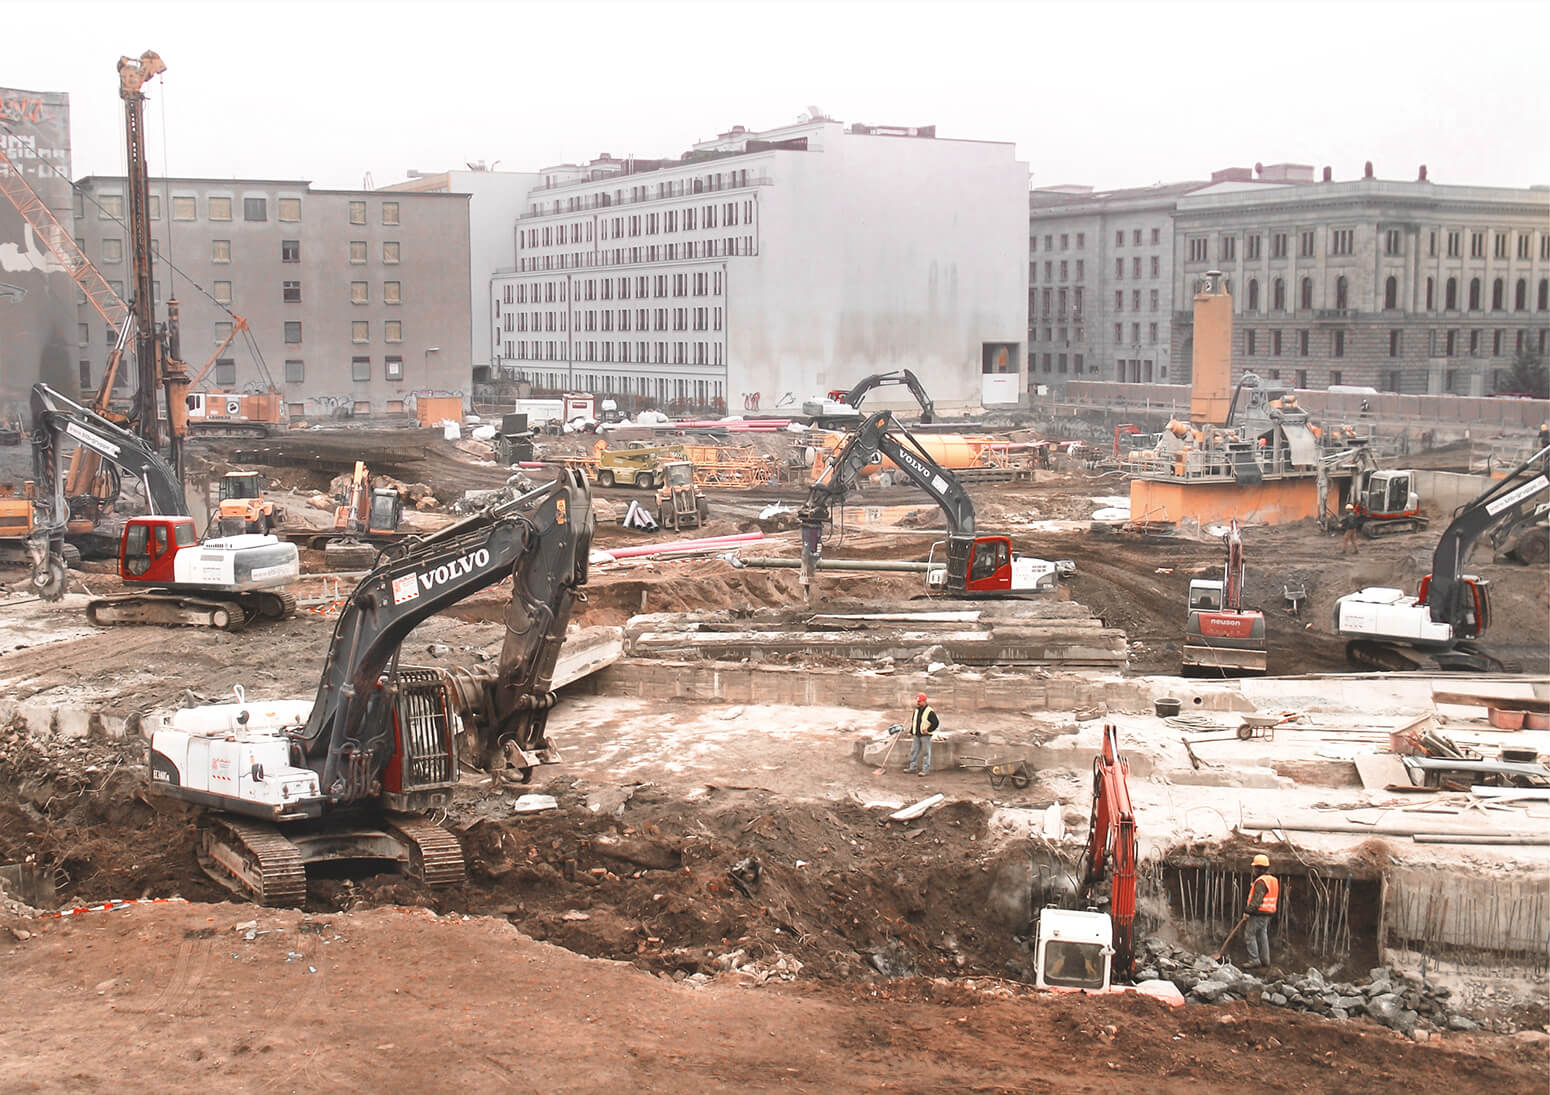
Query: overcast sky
column 1108, row 94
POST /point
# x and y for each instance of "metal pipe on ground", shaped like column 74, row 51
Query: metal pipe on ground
column 837, row 564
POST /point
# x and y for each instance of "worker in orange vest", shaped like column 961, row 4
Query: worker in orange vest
column 1263, row 896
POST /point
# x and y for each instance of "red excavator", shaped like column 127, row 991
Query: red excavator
column 1222, row 637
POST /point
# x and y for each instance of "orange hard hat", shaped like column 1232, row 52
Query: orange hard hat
column 1262, row 860
column 920, row 699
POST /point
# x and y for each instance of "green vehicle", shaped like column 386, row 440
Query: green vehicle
column 636, row 466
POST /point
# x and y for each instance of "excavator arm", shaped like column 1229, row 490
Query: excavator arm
column 55, row 416
column 540, row 540
column 899, row 376
column 1507, row 501
column 1232, row 585
column 1111, row 846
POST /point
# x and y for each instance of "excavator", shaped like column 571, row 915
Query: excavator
column 974, row 564
column 223, row 583
column 350, row 775
column 1084, row 950
column 839, row 409
column 1222, row 636
column 1450, row 608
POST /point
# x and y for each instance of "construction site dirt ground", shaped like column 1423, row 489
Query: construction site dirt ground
column 603, row 942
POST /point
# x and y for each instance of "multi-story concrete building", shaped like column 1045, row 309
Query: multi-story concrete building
column 356, row 301
column 1101, row 278
column 495, row 200
column 1409, row 287
column 762, row 268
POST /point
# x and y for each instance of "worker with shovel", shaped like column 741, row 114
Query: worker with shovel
column 923, row 723
column 1263, row 896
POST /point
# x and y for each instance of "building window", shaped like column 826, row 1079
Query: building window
column 360, row 330
column 1275, row 342
column 1391, row 294
column 113, row 250
column 220, row 251
column 1119, row 268
column 1337, row 344
column 1278, row 245
column 1341, row 240
column 1153, row 301
column 1336, row 377
column 255, row 209
column 295, row 372
column 1544, row 294
column 1391, row 242
column 222, row 290
column 1302, row 351
column 358, row 294
column 1253, row 295
column 1119, row 300
column 1477, row 245
column 1342, row 296
column 220, row 209
column 1249, row 342
column 357, row 212
column 1081, row 240
column 360, row 368
column 358, row 252
column 392, row 292
column 1156, row 235
column 1198, row 249
column 1496, row 342
column 1305, row 245
column 290, row 292
column 393, row 330
column 225, row 372
column 183, row 208
column 83, row 334
column 393, row 367
column 1300, row 378
column 1119, row 238
column 1135, row 267
column 1229, row 248
column 293, row 332
column 1119, row 332
column 389, row 252
column 1454, row 241
column 1498, row 295
column 1154, row 265
column 1520, row 296
column 156, row 208
column 389, row 212
column 1306, row 301
column 1451, row 344
column 289, row 209
column 1395, row 337
column 1151, row 333
column 1278, row 295
column 1474, row 294
column 1251, row 247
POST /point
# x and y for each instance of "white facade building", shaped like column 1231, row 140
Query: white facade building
column 764, row 268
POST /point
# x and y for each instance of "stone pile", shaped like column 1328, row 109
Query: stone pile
column 1391, row 998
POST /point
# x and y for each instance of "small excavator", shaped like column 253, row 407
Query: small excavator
column 176, row 579
column 1084, row 950
column 841, row 409
column 974, row 565
column 350, row 774
column 1450, row 608
column 1221, row 636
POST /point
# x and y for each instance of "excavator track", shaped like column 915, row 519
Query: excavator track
column 253, row 861
column 435, row 856
column 167, row 609
column 1392, row 527
column 272, row 605
column 1376, row 655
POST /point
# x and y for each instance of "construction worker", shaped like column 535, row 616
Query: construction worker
column 1350, row 524
column 923, row 723
column 1263, row 896
column 1544, row 434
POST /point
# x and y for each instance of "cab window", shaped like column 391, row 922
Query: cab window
column 183, row 534
column 137, row 556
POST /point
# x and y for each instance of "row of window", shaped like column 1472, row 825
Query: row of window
column 690, row 219
column 290, row 251
column 667, row 188
column 1153, row 264
column 721, row 247
column 360, row 369
column 697, row 283
column 1342, row 241
column 219, row 207
column 1058, row 363
column 1342, row 296
column 1442, row 343
column 1135, row 333
column 1081, row 239
column 607, row 352
column 360, row 331
column 609, row 319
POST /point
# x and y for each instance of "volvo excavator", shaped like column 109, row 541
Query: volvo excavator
column 1450, row 609
column 173, row 578
column 350, row 775
column 973, row 565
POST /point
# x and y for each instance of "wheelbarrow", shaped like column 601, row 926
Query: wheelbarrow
column 1001, row 772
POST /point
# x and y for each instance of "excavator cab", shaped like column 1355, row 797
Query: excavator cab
column 149, row 545
column 1390, row 494
column 387, row 509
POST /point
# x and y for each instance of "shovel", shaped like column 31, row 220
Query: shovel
column 1242, row 920
column 897, row 731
